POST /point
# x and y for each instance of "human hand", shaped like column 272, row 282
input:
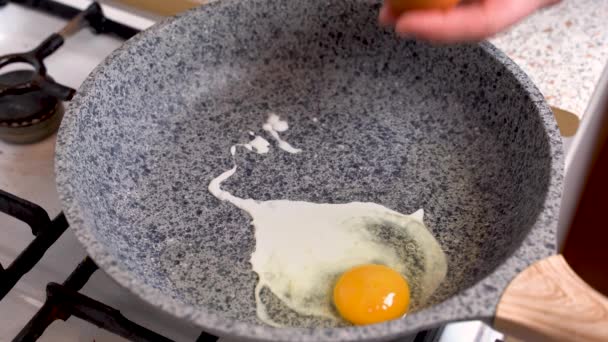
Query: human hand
column 470, row 21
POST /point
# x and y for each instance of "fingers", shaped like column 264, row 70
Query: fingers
column 386, row 17
column 464, row 23
column 468, row 22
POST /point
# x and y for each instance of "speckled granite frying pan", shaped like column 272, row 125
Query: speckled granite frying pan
column 459, row 131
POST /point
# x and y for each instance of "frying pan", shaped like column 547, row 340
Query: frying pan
column 459, row 131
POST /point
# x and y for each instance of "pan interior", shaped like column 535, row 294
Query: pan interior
column 380, row 119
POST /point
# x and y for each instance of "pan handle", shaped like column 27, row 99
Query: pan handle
column 549, row 302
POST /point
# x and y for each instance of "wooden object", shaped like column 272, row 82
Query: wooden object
column 163, row 7
column 549, row 302
column 567, row 122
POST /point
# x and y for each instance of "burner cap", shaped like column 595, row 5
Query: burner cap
column 27, row 117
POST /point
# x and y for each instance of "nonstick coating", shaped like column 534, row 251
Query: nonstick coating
column 459, row 131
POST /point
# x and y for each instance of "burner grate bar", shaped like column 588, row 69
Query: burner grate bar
column 67, row 12
column 206, row 337
column 81, row 274
column 25, row 211
column 32, row 253
column 52, row 308
column 63, row 302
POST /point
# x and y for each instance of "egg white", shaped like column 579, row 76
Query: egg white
column 302, row 248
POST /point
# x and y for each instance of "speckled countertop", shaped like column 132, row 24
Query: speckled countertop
column 564, row 50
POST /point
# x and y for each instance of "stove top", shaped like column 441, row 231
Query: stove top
column 62, row 300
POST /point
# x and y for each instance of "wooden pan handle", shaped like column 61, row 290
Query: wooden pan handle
column 549, row 302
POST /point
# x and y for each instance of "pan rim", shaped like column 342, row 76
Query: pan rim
column 476, row 302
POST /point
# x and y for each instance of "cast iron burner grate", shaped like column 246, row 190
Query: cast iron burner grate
column 63, row 301
column 67, row 12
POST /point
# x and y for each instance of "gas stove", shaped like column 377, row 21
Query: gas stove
column 47, row 278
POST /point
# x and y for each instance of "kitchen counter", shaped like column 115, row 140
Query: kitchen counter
column 564, row 50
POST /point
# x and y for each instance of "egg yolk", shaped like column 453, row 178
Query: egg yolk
column 369, row 294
